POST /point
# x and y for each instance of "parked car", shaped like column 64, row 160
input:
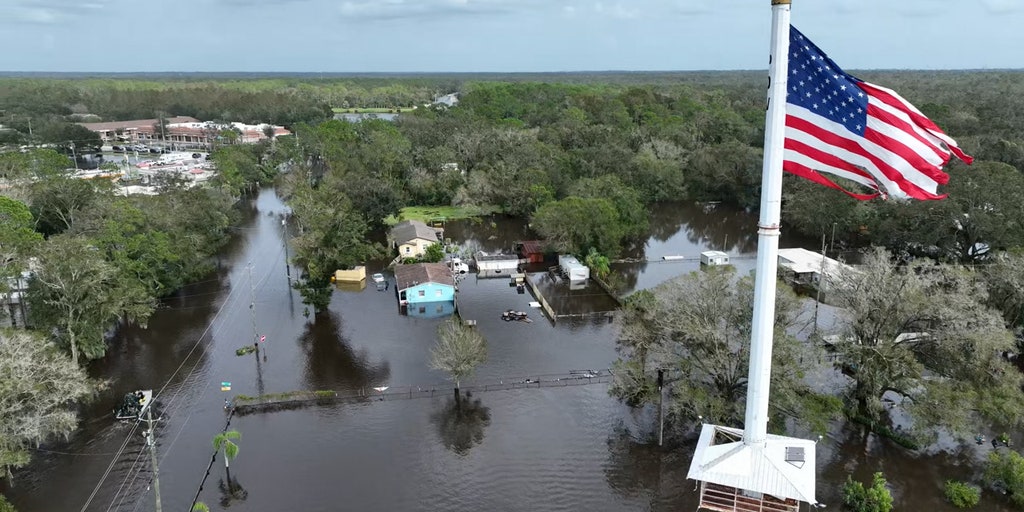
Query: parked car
column 117, row 149
column 196, row 156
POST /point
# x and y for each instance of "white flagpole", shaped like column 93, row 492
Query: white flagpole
column 759, row 379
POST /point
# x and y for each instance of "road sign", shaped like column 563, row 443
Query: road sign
column 225, row 386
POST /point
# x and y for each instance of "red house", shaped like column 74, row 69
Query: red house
column 531, row 250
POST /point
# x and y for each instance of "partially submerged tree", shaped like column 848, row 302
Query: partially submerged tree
column 225, row 441
column 921, row 336
column 37, row 385
column 459, row 350
column 77, row 296
column 697, row 328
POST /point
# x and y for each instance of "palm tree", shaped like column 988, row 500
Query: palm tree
column 224, row 440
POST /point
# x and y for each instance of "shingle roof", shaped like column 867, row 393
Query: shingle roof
column 418, row 273
column 409, row 230
column 763, row 469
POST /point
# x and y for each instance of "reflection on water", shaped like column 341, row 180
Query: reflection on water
column 461, row 423
column 332, row 363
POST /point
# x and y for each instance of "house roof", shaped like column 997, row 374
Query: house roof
column 531, row 247
column 722, row 458
column 803, row 261
column 407, row 276
column 136, row 124
column 409, row 230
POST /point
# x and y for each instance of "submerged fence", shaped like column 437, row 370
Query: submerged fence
column 243, row 404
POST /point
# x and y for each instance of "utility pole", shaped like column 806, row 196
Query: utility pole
column 252, row 308
column 151, row 441
column 821, row 283
column 287, row 262
column 661, row 406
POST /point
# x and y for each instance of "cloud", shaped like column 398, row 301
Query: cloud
column 49, row 12
column 617, row 10
column 388, row 10
column 1004, row 6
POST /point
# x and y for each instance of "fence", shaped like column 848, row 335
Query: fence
column 540, row 298
column 243, row 405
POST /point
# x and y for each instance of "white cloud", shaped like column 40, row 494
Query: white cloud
column 1004, row 6
column 403, row 9
column 49, row 12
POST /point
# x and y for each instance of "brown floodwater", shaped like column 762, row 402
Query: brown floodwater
column 553, row 448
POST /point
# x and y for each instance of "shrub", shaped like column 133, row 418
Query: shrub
column 1005, row 472
column 876, row 498
column 5, row 506
column 962, row 494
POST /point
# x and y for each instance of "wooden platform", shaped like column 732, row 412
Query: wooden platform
column 721, row 498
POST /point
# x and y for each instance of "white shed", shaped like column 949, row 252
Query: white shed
column 714, row 258
column 573, row 269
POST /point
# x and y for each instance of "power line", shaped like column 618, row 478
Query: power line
column 174, row 399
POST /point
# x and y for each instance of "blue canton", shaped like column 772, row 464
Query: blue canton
column 817, row 84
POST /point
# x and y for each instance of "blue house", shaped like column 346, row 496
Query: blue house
column 431, row 309
column 424, row 282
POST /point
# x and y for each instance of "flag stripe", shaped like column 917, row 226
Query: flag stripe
column 879, row 161
column 806, row 154
column 893, row 139
column 890, row 97
column 806, row 172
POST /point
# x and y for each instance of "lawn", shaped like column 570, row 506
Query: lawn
column 371, row 110
column 425, row 213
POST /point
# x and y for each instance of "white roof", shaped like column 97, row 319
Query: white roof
column 803, row 261
column 714, row 254
column 762, row 469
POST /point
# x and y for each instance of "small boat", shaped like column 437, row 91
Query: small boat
column 134, row 405
column 377, row 278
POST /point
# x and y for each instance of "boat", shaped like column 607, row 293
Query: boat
column 378, row 277
column 134, row 405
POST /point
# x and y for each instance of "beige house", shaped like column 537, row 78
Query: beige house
column 412, row 237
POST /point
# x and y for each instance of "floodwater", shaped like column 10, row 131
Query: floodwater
column 570, row 448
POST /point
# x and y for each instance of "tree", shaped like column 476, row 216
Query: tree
column 876, row 498
column 225, row 441
column 332, row 236
column 57, row 200
column 923, row 335
column 17, row 238
column 200, row 507
column 459, row 350
column 75, row 294
column 37, row 387
column 575, row 224
column 1004, row 277
column 1004, row 472
column 697, row 327
column 433, row 254
column 961, row 494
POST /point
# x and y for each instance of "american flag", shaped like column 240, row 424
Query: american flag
column 838, row 124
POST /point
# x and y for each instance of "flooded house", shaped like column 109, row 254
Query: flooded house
column 412, row 237
column 425, row 289
column 809, row 270
column 532, row 251
column 496, row 265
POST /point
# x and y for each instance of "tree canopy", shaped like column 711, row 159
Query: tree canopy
column 38, row 384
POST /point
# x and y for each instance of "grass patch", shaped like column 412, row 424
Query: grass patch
column 372, row 110
column 426, row 213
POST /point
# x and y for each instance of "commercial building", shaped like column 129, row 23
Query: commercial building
column 182, row 131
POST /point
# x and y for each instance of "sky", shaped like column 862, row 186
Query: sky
column 495, row 35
